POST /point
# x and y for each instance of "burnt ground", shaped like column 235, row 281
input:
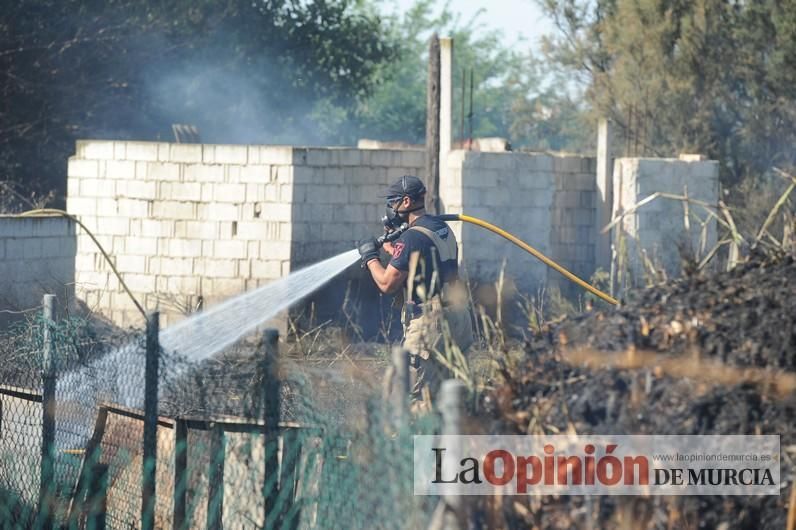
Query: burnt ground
column 701, row 355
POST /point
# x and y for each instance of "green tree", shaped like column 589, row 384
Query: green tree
column 513, row 97
column 711, row 76
column 242, row 71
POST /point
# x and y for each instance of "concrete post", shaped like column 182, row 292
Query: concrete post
column 605, row 193
column 452, row 396
column 400, row 390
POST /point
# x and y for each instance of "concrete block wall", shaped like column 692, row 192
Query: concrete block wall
column 190, row 220
column 37, row 257
column 535, row 197
column 659, row 226
column 573, row 235
column 181, row 221
column 336, row 196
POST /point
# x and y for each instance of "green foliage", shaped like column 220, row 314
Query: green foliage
column 709, row 76
column 513, row 97
column 241, row 71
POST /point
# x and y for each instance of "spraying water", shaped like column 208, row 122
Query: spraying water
column 210, row 332
column 115, row 378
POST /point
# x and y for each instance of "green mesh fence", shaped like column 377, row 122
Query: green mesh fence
column 334, row 457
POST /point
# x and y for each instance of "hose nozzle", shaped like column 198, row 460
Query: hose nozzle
column 389, row 237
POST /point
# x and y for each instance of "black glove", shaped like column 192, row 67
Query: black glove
column 368, row 250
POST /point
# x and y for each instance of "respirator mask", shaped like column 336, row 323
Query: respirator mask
column 395, row 218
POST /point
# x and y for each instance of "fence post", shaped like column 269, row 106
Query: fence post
column 271, row 405
column 149, row 462
column 215, row 478
column 180, row 472
column 400, row 388
column 453, row 394
column 46, row 475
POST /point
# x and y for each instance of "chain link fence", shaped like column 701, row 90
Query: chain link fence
column 248, row 438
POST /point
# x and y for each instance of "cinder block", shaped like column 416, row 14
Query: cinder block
column 226, row 287
column 207, row 192
column 276, row 155
column 317, row 157
column 169, row 266
column 244, row 269
column 147, row 151
column 255, row 174
column 266, row 269
column 276, row 212
column 81, row 205
column 380, row 158
column 227, row 154
column 132, row 207
column 183, row 285
column 129, row 263
column 180, row 191
column 174, row 210
column 120, row 150
column 137, row 189
column 349, row 157
column 218, row 268
column 97, row 187
column 230, row 249
column 158, row 228
column 235, row 193
column 94, row 149
column 79, row 168
column 163, row 171
column 416, row 159
column 284, row 174
column 255, row 193
column 253, row 249
column 145, row 246
column 191, row 153
column 185, row 248
column 203, row 173
column 113, row 226
column 274, row 250
column 199, row 229
column 218, row 211
column 140, row 283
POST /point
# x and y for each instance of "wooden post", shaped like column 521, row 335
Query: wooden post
column 46, row 476
column 400, row 387
column 180, row 473
column 445, row 112
column 432, row 126
column 215, row 478
column 149, row 461
column 97, row 497
column 452, row 397
column 271, row 406
column 92, row 455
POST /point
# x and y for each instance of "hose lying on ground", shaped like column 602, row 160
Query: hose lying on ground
column 529, row 249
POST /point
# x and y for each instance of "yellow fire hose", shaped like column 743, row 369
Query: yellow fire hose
column 447, row 217
column 529, row 249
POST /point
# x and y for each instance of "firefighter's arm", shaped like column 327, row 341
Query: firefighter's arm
column 388, row 279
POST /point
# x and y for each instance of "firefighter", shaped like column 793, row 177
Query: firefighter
column 424, row 261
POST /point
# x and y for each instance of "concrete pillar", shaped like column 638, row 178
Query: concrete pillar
column 605, row 200
column 445, row 106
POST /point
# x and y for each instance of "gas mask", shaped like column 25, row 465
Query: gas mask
column 394, row 218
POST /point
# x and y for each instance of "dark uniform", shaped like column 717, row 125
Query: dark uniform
column 436, row 318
